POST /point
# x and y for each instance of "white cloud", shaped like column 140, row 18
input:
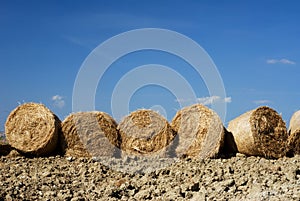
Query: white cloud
column 209, row 100
column 227, row 100
column 58, row 101
column 259, row 102
column 281, row 61
column 272, row 61
column 286, row 61
column 213, row 99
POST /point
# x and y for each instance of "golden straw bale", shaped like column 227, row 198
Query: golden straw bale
column 32, row 129
column 87, row 134
column 260, row 132
column 294, row 134
column 200, row 132
column 145, row 133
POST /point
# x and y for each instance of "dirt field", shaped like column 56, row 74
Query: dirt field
column 67, row 178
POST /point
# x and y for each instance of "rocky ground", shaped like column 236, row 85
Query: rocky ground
column 67, row 178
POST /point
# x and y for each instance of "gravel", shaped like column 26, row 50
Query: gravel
column 75, row 179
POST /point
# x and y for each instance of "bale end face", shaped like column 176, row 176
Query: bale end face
column 269, row 132
column 32, row 129
column 260, row 132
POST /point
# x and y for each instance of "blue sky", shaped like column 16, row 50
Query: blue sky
column 254, row 44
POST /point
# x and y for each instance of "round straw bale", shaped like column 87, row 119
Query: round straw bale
column 87, row 134
column 294, row 134
column 294, row 122
column 294, row 143
column 145, row 133
column 260, row 132
column 32, row 129
column 200, row 132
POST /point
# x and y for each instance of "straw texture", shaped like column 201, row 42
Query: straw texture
column 32, row 129
column 200, row 132
column 87, row 134
column 294, row 134
column 260, row 132
column 145, row 133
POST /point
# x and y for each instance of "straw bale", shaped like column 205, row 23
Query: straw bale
column 87, row 134
column 294, row 143
column 200, row 131
column 32, row 129
column 294, row 122
column 294, row 134
column 145, row 133
column 260, row 132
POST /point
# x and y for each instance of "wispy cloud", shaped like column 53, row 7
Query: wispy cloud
column 58, row 101
column 280, row 61
column 209, row 100
column 227, row 100
column 259, row 102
